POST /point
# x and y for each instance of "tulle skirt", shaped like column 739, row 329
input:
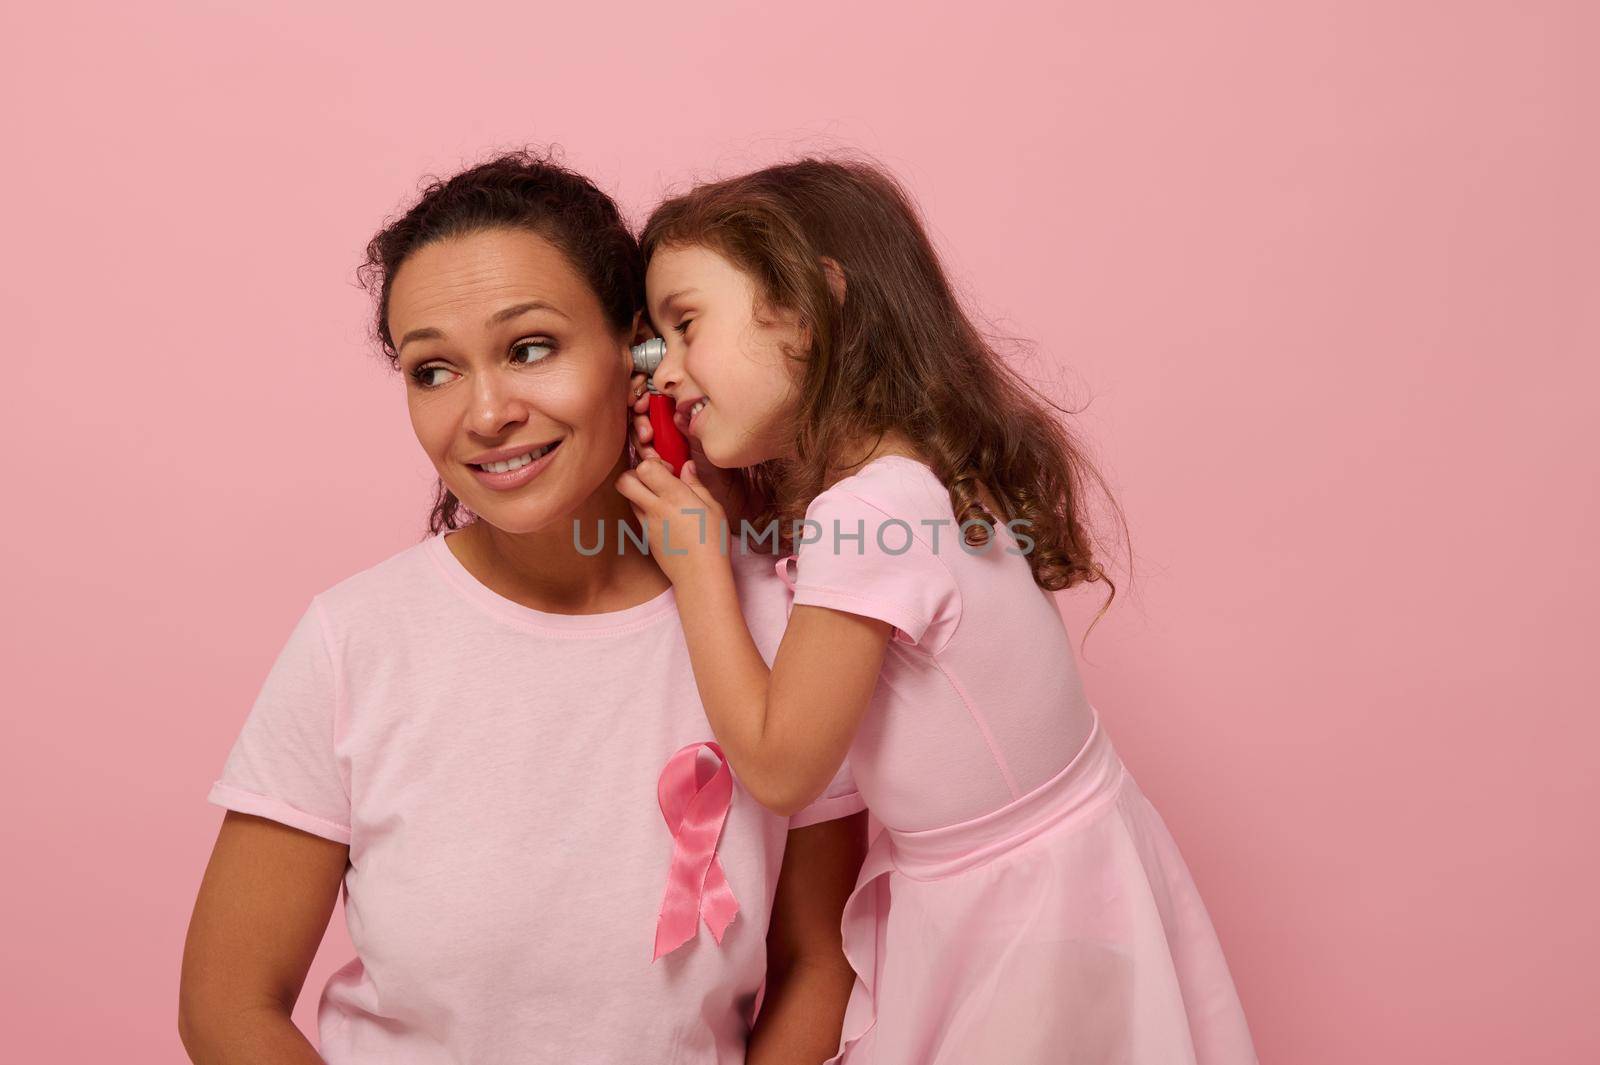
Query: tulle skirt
column 1061, row 928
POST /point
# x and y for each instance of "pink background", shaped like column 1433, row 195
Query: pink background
column 1324, row 271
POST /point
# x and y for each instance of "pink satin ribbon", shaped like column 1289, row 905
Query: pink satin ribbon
column 782, row 568
column 694, row 801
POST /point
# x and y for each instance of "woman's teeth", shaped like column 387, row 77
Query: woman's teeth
column 517, row 463
column 698, row 405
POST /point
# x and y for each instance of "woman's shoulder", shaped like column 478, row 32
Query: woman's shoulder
column 380, row 588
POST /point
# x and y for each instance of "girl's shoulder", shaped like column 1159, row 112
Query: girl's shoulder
column 902, row 486
column 899, row 485
column 876, row 544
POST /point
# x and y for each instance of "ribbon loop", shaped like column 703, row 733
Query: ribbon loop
column 782, row 569
column 694, row 799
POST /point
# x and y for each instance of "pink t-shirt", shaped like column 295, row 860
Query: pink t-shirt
column 493, row 769
column 979, row 700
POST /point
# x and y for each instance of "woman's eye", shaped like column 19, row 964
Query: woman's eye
column 682, row 328
column 423, row 375
column 536, row 349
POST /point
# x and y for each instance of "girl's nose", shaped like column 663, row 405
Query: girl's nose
column 669, row 374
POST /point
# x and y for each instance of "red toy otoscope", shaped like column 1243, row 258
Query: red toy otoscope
column 668, row 442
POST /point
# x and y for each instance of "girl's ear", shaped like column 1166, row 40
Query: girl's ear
column 835, row 275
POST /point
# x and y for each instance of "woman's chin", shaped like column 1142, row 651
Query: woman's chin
column 531, row 513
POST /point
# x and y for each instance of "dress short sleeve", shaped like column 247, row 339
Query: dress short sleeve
column 866, row 559
column 840, row 799
column 283, row 765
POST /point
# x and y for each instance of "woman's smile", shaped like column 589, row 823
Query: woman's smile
column 511, row 468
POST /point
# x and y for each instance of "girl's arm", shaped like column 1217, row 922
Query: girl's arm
column 808, row 978
column 785, row 730
column 264, row 903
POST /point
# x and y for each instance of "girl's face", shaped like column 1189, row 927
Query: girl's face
column 516, row 382
column 727, row 367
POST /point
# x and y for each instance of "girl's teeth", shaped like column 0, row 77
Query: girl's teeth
column 513, row 464
column 696, row 408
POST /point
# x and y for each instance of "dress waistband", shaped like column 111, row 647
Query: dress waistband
column 1088, row 782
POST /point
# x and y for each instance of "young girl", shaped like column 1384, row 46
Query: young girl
column 1024, row 902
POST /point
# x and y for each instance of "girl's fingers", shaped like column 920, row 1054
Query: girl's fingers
column 656, row 476
column 634, row 490
column 690, row 476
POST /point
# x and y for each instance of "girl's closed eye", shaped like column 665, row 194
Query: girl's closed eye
column 682, row 328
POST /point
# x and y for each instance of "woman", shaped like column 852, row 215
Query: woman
column 493, row 739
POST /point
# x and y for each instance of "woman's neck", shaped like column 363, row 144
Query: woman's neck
column 546, row 570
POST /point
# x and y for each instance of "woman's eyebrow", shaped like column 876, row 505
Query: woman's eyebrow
column 425, row 333
column 428, row 332
column 522, row 308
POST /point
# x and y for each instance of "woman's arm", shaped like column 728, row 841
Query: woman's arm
column 808, row 978
column 264, row 903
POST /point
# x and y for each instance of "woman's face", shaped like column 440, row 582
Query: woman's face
column 516, row 382
column 726, row 367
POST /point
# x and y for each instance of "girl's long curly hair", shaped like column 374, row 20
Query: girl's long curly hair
column 896, row 354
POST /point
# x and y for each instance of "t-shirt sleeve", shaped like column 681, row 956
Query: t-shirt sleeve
column 865, row 559
column 283, row 765
column 840, row 799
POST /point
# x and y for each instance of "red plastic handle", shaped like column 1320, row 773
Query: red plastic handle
column 668, row 442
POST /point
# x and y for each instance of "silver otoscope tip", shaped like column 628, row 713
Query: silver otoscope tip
column 646, row 357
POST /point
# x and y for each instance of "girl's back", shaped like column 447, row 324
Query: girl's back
column 979, row 701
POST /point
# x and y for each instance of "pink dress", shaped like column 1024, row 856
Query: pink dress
column 1024, row 902
column 495, row 772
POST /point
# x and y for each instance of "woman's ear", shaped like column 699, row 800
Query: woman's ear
column 638, row 334
column 642, row 329
column 835, row 275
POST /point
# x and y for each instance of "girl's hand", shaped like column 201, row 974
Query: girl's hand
column 685, row 526
column 640, row 432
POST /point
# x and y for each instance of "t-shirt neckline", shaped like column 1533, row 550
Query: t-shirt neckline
column 462, row 580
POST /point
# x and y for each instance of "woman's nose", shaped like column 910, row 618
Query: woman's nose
column 496, row 406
